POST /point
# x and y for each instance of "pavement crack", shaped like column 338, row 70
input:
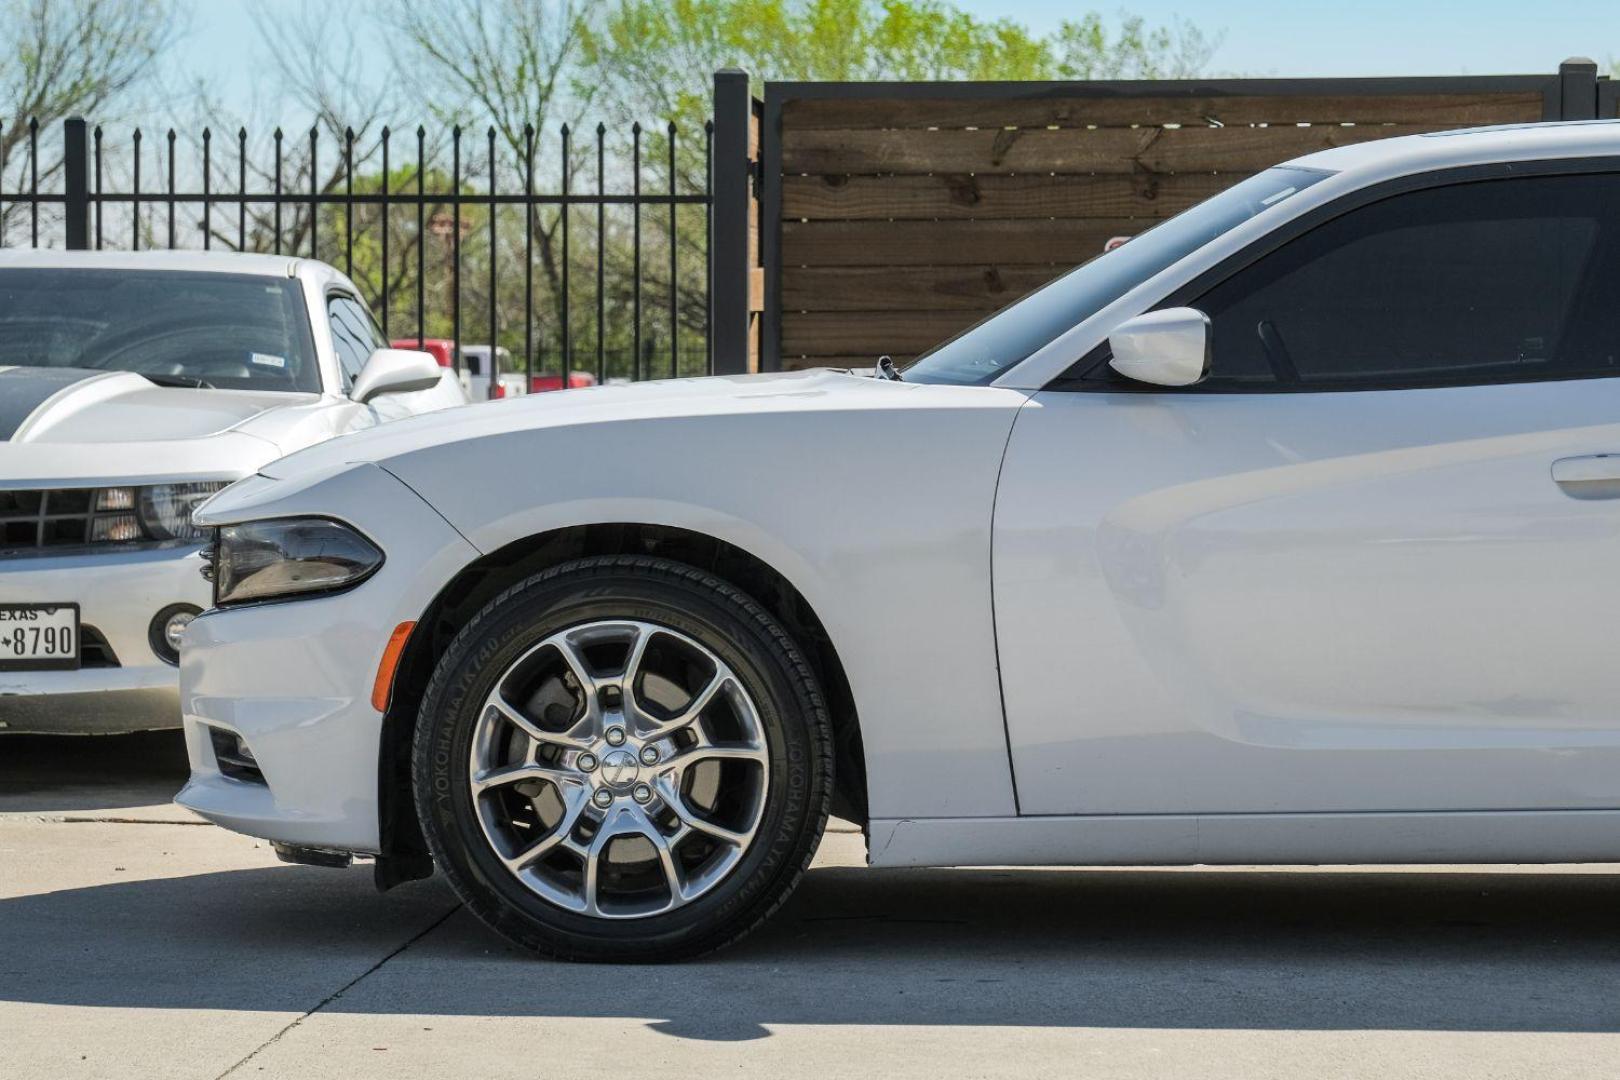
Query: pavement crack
column 340, row 991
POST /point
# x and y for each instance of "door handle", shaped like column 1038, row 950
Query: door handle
column 1594, row 476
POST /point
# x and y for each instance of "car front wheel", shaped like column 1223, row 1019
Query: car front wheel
column 623, row 758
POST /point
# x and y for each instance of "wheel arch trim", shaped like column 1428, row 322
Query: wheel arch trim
column 507, row 559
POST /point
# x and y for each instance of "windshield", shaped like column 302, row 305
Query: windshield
column 985, row 350
column 232, row 331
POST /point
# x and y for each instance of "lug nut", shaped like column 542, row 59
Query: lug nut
column 641, row 793
column 603, row 797
column 649, row 755
column 586, row 762
column 615, row 736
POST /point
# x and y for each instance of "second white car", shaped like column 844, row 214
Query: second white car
column 132, row 387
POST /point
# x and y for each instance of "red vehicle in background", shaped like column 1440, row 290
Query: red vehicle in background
column 475, row 377
column 576, row 380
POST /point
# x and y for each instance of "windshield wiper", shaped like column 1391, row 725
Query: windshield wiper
column 886, row 369
column 180, row 380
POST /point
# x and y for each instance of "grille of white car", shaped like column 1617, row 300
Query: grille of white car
column 61, row 517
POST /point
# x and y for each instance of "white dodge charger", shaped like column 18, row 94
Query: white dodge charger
column 1284, row 533
column 132, row 387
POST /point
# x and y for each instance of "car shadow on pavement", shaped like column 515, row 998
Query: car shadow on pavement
column 46, row 774
column 1206, row 949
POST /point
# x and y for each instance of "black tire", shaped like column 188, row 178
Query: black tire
column 789, row 703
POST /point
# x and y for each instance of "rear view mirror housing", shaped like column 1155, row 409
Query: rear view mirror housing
column 395, row 371
column 1170, row 347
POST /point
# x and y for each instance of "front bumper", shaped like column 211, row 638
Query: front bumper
column 118, row 593
column 292, row 679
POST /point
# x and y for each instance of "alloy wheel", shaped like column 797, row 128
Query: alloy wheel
column 619, row 769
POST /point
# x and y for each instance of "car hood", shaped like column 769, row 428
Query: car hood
column 73, row 405
column 69, row 424
column 821, row 389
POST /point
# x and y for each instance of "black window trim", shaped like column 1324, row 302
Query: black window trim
column 1079, row 377
column 345, row 381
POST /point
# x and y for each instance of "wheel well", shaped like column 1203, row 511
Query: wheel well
column 482, row 579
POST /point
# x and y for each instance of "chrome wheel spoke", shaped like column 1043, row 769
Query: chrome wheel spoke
column 665, row 847
column 573, row 805
column 588, row 685
column 512, row 774
column 707, row 751
column 660, row 729
column 632, row 663
column 695, row 822
column 593, row 872
column 574, row 738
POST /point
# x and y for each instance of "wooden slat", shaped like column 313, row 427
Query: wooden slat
column 1106, row 150
column 870, row 334
column 948, row 243
column 965, row 288
column 956, row 195
column 1448, row 109
column 756, row 288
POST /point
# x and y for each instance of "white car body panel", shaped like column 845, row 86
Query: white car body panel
column 118, row 428
column 1309, row 602
column 1172, row 695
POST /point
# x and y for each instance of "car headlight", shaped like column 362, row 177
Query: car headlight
column 287, row 557
column 165, row 509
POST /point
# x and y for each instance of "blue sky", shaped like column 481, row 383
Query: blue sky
column 1260, row 37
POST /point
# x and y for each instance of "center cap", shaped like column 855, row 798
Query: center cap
column 620, row 768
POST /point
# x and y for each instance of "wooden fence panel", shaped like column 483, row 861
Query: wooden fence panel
column 897, row 216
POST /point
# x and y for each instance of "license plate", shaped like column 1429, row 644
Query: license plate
column 39, row 637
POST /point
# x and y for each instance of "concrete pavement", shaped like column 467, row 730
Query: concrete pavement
column 134, row 943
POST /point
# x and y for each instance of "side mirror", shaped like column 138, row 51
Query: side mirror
column 1165, row 348
column 395, row 371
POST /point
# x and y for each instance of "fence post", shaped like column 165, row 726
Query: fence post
column 76, row 178
column 1577, row 86
column 728, row 242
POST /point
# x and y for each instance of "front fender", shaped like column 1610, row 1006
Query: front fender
column 880, row 519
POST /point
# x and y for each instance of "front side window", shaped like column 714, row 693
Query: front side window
column 982, row 352
column 189, row 329
column 355, row 335
column 1488, row 281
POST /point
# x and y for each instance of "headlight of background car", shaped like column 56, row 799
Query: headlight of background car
column 165, row 509
column 284, row 557
column 123, row 515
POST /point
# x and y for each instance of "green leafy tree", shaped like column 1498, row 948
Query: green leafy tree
column 658, row 54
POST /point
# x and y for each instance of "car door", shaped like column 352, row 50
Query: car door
column 1372, row 563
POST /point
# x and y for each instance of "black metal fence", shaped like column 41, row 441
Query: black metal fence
column 573, row 258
